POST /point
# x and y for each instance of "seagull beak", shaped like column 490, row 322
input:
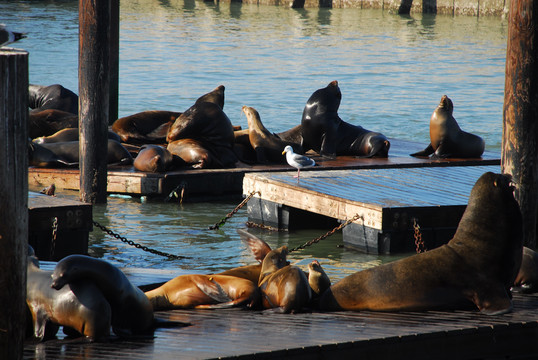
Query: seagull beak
column 283, row 152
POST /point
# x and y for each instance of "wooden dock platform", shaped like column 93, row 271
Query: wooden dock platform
column 73, row 220
column 389, row 202
column 200, row 184
column 247, row 334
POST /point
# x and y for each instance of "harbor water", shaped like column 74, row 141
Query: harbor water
column 392, row 71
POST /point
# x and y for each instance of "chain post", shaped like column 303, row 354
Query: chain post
column 232, row 213
column 329, row 233
column 138, row 246
column 54, row 236
column 419, row 242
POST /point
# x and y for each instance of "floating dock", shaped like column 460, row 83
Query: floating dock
column 390, row 203
column 247, row 334
column 211, row 184
column 58, row 227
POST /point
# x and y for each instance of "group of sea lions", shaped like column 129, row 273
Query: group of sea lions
column 478, row 268
column 203, row 136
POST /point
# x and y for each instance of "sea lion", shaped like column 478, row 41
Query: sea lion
column 132, row 312
column 153, row 158
column 323, row 131
column 69, row 134
column 477, row 266
column 318, row 280
column 79, row 306
column 284, row 287
column 527, row 277
column 69, row 152
column 146, row 127
column 216, row 96
column 249, row 272
column 48, row 122
column 41, row 156
column 268, row 147
column 204, row 292
column 446, row 137
column 293, row 135
column 193, row 153
column 52, row 97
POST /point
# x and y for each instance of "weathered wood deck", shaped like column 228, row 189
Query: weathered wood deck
column 245, row 334
column 200, row 184
column 387, row 201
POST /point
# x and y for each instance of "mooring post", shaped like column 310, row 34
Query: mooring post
column 114, row 60
column 13, row 199
column 520, row 112
column 94, row 81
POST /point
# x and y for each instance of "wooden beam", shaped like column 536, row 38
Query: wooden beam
column 520, row 112
column 13, row 199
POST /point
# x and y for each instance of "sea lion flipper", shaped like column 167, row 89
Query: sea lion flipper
column 328, row 145
column 212, row 289
column 493, row 301
column 258, row 247
column 426, row 152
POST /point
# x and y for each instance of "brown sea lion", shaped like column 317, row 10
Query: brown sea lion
column 52, row 97
column 204, row 292
column 284, row 287
column 249, row 272
column 132, row 312
column 146, row 127
column 268, row 147
column 69, row 152
column 78, row 306
column 478, row 266
column 527, row 277
column 68, row 134
column 193, row 153
column 323, row 131
column 446, row 137
column 318, row 280
column 49, row 122
column 153, row 158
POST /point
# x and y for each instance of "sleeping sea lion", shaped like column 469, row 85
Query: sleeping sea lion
column 49, row 122
column 153, row 158
column 268, row 147
column 446, row 137
column 193, row 153
column 146, row 127
column 52, row 97
column 69, row 152
column 78, row 306
column 323, row 131
column 68, row 134
column 204, row 292
column 41, row 156
column 132, row 312
column 284, row 287
column 477, row 266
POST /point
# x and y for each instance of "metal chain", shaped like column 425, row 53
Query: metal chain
column 251, row 224
column 174, row 193
column 329, row 233
column 54, row 235
column 138, row 246
column 419, row 243
column 232, row 213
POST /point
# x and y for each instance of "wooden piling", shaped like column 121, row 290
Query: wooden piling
column 94, row 81
column 114, row 60
column 520, row 112
column 13, row 199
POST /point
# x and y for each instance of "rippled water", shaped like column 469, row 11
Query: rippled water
column 392, row 71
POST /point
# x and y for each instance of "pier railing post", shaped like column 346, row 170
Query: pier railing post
column 520, row 112
column 94, row 88
column 13, row 199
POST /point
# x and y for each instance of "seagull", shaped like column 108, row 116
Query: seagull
column 8, row 36
column 297, row 161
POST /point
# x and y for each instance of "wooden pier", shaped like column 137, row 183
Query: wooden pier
column 211, row 184
column 390, row 202
column 246, row 334
column 58, row 227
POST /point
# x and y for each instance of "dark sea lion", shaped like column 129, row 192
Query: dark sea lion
column 193, row 153
column 204, row 292
column 527, row 277
column 153, row 158
column 446, row 137
column 323, row 131
column 477, row 266
column 80, row 306
column 146, row 127
column 49, row 122
column 268, row 147
column 68, row 134
column 41, row 156
column 215, row 96
column 132, row 312
column 293, row 135
column 52, row 97
column 69, row 152
column 284, row 287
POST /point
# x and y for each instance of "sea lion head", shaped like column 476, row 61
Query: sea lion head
column 446, row 104
column 317, row 278
column 274, row 260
